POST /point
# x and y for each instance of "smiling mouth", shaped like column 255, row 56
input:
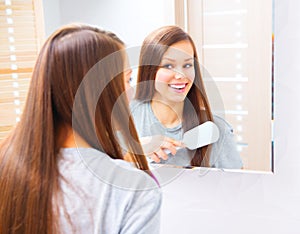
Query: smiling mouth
column 178, row 86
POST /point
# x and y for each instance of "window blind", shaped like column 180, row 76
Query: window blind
column 21, row 32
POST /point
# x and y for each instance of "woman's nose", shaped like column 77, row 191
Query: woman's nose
column 178, row 75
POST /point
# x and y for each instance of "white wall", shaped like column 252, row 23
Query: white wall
column 131, row 20
column 51, row 16
column 222, row 202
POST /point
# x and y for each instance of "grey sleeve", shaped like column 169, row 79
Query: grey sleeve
column 143, row 214
column 224, row 152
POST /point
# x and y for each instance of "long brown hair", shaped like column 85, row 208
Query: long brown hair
column 29, row 173
column 152, row 51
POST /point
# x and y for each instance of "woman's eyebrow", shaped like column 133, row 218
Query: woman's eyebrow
column 166, row 58
column 173, row 60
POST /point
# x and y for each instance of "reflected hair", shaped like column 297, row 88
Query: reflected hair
column 196, row 107
column 29, row 156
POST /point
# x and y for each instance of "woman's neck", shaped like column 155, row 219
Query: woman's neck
column 169, row 114
column 70, row 139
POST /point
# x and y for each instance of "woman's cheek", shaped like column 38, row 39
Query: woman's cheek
column 163, row 75
column 191, row 75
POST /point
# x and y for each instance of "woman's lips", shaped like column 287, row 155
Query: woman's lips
column 178, row 87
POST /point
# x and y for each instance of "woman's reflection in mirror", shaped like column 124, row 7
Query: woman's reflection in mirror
column 171, row 98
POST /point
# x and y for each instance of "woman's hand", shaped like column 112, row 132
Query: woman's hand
column 156, row 147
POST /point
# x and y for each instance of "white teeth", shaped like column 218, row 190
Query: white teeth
column 177, row 86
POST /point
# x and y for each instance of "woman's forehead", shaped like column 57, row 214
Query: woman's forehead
column 182, row 49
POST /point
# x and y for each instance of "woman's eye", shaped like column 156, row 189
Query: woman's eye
column 188, row 65
column 167, row 66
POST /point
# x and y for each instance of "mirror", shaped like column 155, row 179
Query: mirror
column 234, row 44
column 235, row 39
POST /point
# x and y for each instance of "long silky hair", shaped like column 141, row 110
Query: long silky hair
column 29, row 156
column 196, row 107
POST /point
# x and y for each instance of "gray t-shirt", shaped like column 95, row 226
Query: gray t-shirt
column 102, row 195
column 223, row 155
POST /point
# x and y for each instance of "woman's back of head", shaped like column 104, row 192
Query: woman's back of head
column 67, row 58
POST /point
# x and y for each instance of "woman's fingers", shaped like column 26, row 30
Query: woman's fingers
column 158, row 155
column 171, row 145
column 173, row 141
column 165, row 147
column 161, row 154
column 155, row 157
column 155, row 147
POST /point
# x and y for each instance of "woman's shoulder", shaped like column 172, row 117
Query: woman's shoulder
column 222, row 124
column 111, row 187
column 143, row 116
column 114, row 172
column 138, row 105
column 224, row 152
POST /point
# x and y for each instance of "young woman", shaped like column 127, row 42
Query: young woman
column 61, row 168
column 171, row 99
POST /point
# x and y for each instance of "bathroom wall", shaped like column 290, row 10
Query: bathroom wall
column 139, row 17
column 51, row 16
